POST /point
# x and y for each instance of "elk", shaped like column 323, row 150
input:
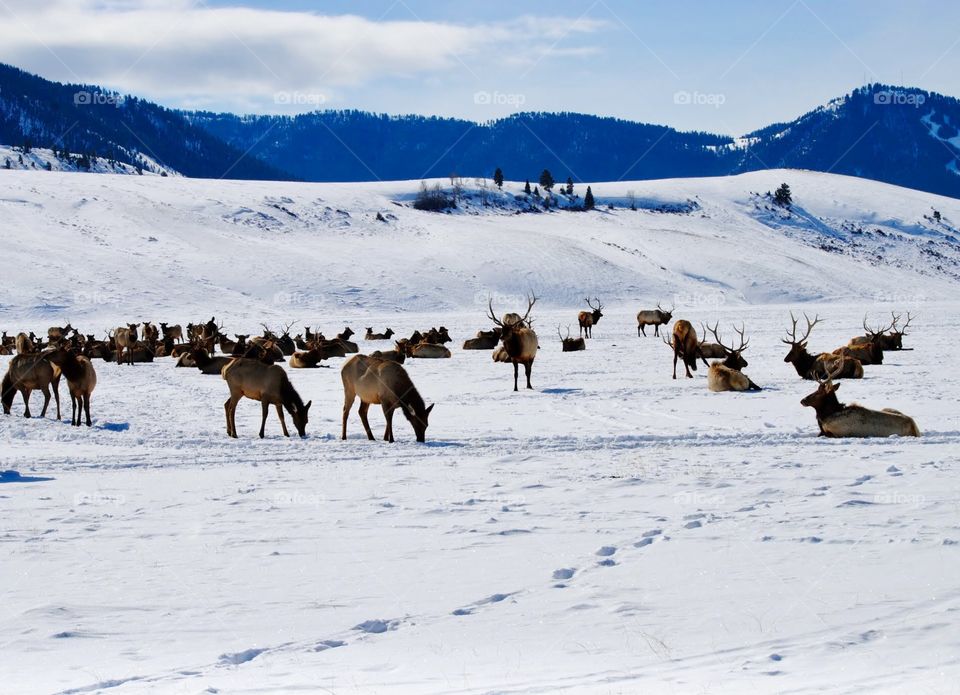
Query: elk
column 653, row 317
column 126, row 339
column 811, row 366
column 24, row 345
column 485, row 340
column 55, row 334
column 685, row 346
column 206, row 364
column 869, row 351
column 519, row 343
column 711, row 350
column 174, row 332
column 26, row 373
column 892, row 341
column 397, row 355
column 378, row 381
column 435, row 336
column 150, row 332
column 727, row 375
column 378, row 336
column 569, row 344
column 269, row 384
column 588, row 319
column 81, row 380
column 310, row 359
column 837, row 419
column 422, row 350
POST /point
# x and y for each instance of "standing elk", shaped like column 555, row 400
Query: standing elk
column 485, row 340
column 81, row 380
column 385, row 383
column 370, row 335
column 519, row 343
column 269, row 384
column 24, row 345
column 150, row 332
column 172, row 332
column 653, row 317
column 837, row 419
column 685, row 346
column 814, row 366
column 590, row 318
column 727, row 375
column 126, row 339
column 569, row 344
column 26, row 373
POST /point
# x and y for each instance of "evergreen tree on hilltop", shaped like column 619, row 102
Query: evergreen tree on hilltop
column 498, row 177
column 569, row 185
column 588, row 202
column 782, row 196
column 546, row 180
column 526, row 188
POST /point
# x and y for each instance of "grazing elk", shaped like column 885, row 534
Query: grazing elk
column 126, row 339
column 569, row 344
column 370, row 335
column 174, row 332
column 814, row 366
column 653, row 317
column 269, row 384
column 485, row 340
column 519, row 343
column 727, row 375
column 685, row 346
column 26, row 373
column 837, row 419
column 590, row 318
column 382, row 382
column 81, row 380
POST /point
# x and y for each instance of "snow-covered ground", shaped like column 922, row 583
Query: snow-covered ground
column 611, row 531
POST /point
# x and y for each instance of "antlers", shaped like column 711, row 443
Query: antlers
column 525, row 320
column 744, row 343
column 896, row 320
column 792, row 333
column 873, row 335
column 598, row 307
column 832, row 373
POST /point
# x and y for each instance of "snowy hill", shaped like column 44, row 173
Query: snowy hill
column 175, row 247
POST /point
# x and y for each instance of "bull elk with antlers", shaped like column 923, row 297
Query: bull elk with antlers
column 519, row 342
column 837, row 419
column 892, row 341
column 588, row 319
column 653, row 317
column 569, row 344
column 814, row 366
column 727, row 375
column 869, row 351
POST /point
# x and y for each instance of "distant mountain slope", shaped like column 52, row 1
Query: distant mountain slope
column 87, row 120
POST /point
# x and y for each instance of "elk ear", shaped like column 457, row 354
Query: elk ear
column 307, row 406
column 427, row 411
column 834, row 387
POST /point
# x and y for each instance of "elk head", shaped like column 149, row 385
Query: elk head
column 824, row 399
column 798, row 346
column 664, row 314
column 734, row 357
column 509, row 329
column 597, row 310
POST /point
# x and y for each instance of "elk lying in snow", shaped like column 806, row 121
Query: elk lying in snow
column 311, row 359
column 685, row 346
column 726, row 375
column 26, row 373
column 172, row 332
column 653, row 317
column 370, row 335
column 423, row 350
column 81, row 380
column 569, row 344
column 519, row 343
column 385, row 383
column 588, row 319
column 815, row 366
column 485, row 340
column 126, row 340
column 397, row 355
column 711, row 351
column 837, row 419
column 206, row 364
column 892, row 341
column 269, row 384
column 869, row 351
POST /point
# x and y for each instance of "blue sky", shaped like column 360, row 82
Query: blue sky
column 724, row 67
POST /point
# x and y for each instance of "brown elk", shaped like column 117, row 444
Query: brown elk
column 126, row 339
column 174, row 332
column 385, row 383
column 56, row 334
column 569, row 344
column 727, row 375
column 423, row 350
column 81, row 381
column 370, row 335
column 837, row 419
column 310, row 359
column 26, row 373
column 519, row 343
column 434, row 336
column 869, row 351
column 396, row 355
column 485, row 340
column 24, row 345
column 590, row 318
column 150, row 332
column 813, row 366
column 206, row 364
column 685, row 346
column 711, row 350
column 269, row 384
column 892, row 341
column 653, row 317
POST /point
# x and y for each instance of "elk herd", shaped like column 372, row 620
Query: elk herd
column 248, row 364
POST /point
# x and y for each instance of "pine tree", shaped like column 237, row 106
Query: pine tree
column 526, row 188
column 536, row 190
column 588, row 202
column 546, row 180
column 498, row 177
column 782, row 196
column 569, row 186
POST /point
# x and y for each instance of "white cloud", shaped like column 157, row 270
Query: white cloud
column 185, row 53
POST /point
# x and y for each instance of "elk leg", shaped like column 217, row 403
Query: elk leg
column 388, row 432
column 674, row 364
column 231, row 409
column 656, row 329
column 283, row 422
column 516, row 375
column 528, row 367
column 364, row 408
column 26, row 401
column 73, row 410
column 119, row 355
column 86, row 407
column 46, row 400
column 56, row 394
column 264, row 409
column 347, row 405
